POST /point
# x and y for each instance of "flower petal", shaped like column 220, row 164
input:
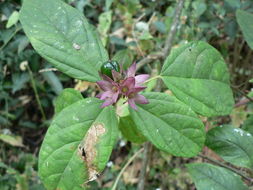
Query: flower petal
column 106, row 94
column 140, row 79
column 104, row 85
column 105, row 77
column 135, row 90
column 140, row 99
column 129, row 83
column 107, row 102
column 131, row 70
column 132, row 103
column 116, row 75
column 115, row 96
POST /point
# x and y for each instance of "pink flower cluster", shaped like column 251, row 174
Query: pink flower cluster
column 123, row 84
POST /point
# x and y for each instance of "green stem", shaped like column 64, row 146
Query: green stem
column 153, row 78
column 125, row 167
column 13, row 34
column 36, row 93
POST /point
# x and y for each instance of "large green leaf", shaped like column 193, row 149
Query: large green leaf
column 210, row 177
column 67, row 97
column 232, row 144
column 170, row 125
column 63, row 36
column 130, row 131
column 197, row 74
column 245, row 21
column 77, row 145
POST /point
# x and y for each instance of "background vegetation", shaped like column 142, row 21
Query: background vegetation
column 131, row 30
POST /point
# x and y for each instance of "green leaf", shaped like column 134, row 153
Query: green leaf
column 67, row 97
column 170, row 125
column 13, row 19
column 248, row 125
column 245, row 21
column 233, row 144
column 19, row 80
column 210, row 177
column 130, row 131
column 53, row 81
column 197, row 74
column 63, row 36
column 12, row 140
column 77, row 145
column 124, row 57
column 105, row 20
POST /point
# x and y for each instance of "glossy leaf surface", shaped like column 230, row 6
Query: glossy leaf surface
column 77, row 145
column 170, row 125
column 197, row 74
column 63, row 36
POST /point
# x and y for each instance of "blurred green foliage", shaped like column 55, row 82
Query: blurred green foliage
column 130, row 30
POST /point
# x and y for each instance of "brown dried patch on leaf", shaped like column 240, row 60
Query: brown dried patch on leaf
column 87, row 149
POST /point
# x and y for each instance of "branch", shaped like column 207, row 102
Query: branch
column 125, row 167
column 169, row 40
column 141, row 184
column 227, row 167
column 173, row 29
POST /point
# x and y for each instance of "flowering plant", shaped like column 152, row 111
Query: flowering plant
column 81, row 137
column 124, row 84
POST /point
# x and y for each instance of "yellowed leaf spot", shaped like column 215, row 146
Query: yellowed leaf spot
column 88, row 148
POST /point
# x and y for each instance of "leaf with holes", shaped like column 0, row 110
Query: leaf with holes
column 232, row 144
column 170, row 125
column 77, row 145
column 63, row 36
column 197, row 74
column 210, row 177
column 67, row 97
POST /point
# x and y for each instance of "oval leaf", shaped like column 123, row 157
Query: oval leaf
column 77, row 145
column 130, row 131
column 170, row 125
column 210, row 177
column 197, row 74
column 63, row 36
column 67, row 97
column 245, row 21
column 232, row 144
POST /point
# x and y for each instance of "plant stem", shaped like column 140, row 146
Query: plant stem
column 153, row 78
column 165, row 52
column 36, row 93
column 12, row 35
column 227, row 167
column 125, row 167
column 141, row 184
column 173, row 28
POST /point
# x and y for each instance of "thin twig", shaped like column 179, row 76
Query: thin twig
column 36, row 93
column 227, row 167
column 12, row 35
column 173, row 29
column 125, row 167
column 169, row 40
column 241, row 103
column 141, row 184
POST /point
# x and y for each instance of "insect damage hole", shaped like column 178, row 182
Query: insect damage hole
column 87, row 149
